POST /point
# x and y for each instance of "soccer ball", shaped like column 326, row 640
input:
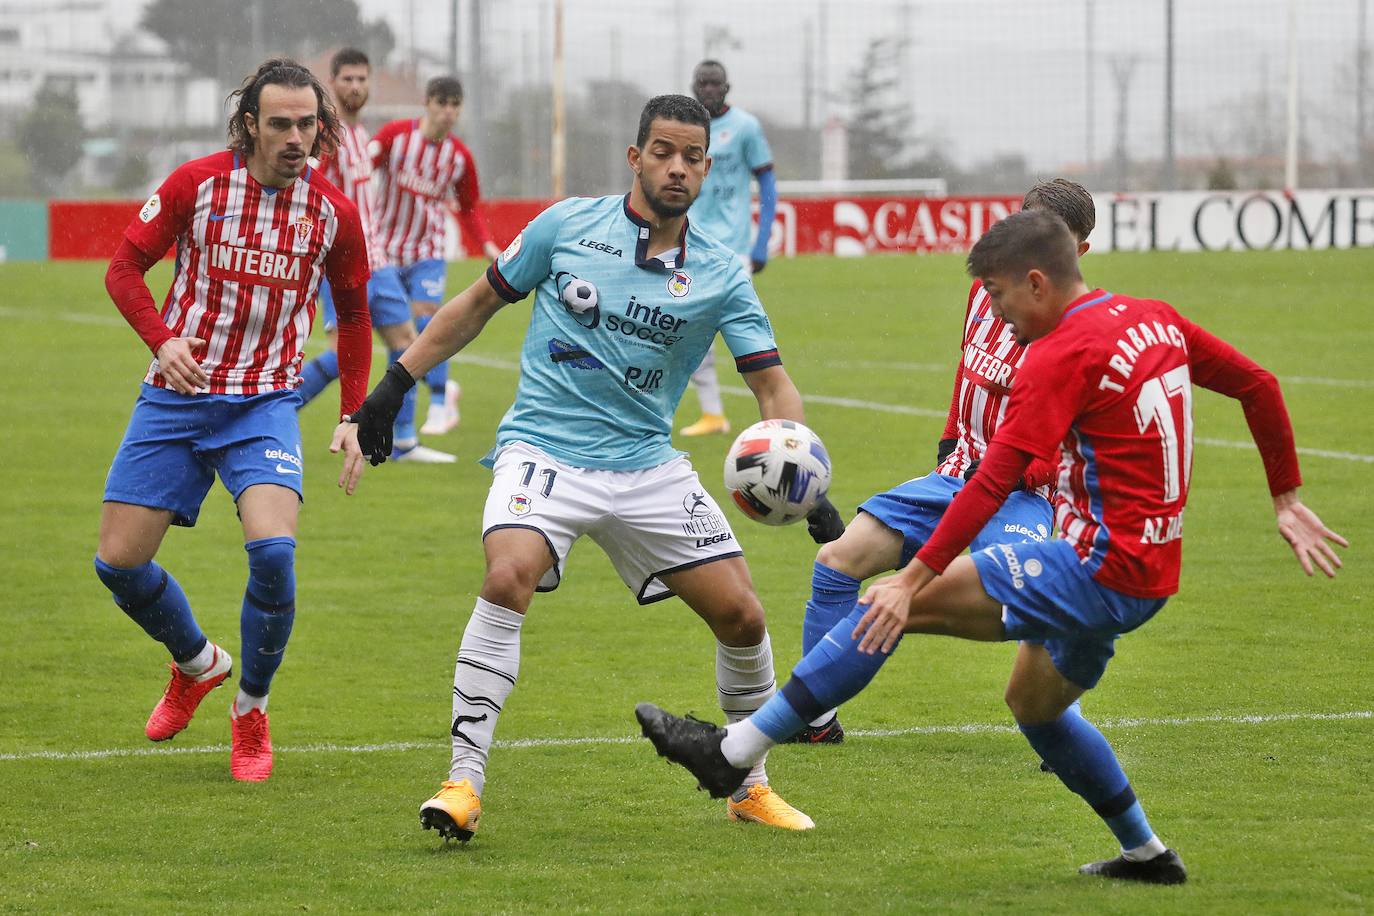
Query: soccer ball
column 579, row 296
column 777, row 470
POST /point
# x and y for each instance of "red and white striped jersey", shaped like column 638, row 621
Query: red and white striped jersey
column 249, row 260
column 350, row 170
column 987, row 367
column 419, row 178
column 1109, row 391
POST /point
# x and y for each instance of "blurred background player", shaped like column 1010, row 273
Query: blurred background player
column 892, row 526
column 350, row 169
column 254, row 227
column 739, row 151
column 586, row 448
column 423, row 169
column 1107, row 389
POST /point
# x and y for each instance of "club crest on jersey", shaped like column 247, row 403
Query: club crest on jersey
column 679, row 284
column 520, row 504
column 151, row 209
column 304, row 225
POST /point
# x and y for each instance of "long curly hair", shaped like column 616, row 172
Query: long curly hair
column 281, row 71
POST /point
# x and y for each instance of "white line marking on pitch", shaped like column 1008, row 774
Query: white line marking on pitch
column 493, row 362
column 971, row 728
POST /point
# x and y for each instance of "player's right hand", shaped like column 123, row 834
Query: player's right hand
column 378, row 413
column 179, row 367
column 346, row 440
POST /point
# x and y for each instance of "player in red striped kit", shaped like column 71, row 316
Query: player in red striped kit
column 1107, row 389
column 256, row 230
column 425, row 170
column 890, row 527
column 350, row 170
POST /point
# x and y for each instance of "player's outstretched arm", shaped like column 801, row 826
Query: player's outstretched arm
column 453, row 327
column 777, row 395
column 1305, row 533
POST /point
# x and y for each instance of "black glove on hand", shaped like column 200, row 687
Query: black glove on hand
column 944, row 450
column 823, row 523
column 973, row 469
column 378, row 413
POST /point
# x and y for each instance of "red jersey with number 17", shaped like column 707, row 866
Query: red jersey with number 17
column 1110, row 391
column 249, row 260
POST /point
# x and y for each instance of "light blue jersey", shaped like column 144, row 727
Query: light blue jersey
column 598, row 389
column 738, row 151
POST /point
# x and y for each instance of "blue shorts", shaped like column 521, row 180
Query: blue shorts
column 1048, row 598
column 175, row 445
column 915, row 508
column 386, row 300
column 424, row 280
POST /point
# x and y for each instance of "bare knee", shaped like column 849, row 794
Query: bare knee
column 510, row 584
column 398, row 336
column 738, row 620
column 1033, row 707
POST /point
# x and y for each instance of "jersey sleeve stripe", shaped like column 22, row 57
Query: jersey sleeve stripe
column 503, row 288
column 753, row 362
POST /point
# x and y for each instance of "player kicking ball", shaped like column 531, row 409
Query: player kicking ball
column 1108, row 389
column 628, row 297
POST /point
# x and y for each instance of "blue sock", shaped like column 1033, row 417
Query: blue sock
column 317, row 375
column 1083, row 761
column 833, row 595
column 404, row 428
column 154, row 601
column 436, row 378
column 269, row 609
column 830, row 674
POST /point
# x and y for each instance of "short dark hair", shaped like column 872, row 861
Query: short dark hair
column 682, row 108
column 281, row 71
column 1067, row 198
column 711, row 62
column 347, row 57
column 444, row 87
column 1024, row 241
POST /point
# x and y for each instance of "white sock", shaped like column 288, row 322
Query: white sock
column 708, row 385
column 1145, row 851
column 244, row 702
column 744, row 743
column 823, row 719
column 484, row 675
column 201, row 663
column 744, row 682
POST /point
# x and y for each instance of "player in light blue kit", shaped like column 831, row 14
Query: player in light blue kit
column 739, row 152
column 628, row 298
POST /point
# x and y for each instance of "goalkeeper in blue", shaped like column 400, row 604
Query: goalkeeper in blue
column 628, row 296
column 739, row 155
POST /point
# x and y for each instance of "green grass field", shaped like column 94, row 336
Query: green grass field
column 1242, row 713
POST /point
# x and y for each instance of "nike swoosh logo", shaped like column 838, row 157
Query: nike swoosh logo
column 216, row 217
column 283, row 469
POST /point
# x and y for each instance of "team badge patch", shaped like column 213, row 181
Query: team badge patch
column 303, row 227
column 513, row 248
column 151, row 209
column 679, row 284
column 520, row 504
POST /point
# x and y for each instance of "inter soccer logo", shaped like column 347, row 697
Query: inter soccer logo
column 679, row 284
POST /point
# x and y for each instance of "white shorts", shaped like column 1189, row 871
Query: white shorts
column 650, row 522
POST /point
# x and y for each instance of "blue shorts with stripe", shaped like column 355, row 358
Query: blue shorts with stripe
column 175, row 444
column 1050, row 598
column 386, row 300
column 914, row 508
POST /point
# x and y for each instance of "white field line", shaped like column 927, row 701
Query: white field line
column 970, row 728
column 492, row 362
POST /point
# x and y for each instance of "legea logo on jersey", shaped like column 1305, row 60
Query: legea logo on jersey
column 679, row 284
